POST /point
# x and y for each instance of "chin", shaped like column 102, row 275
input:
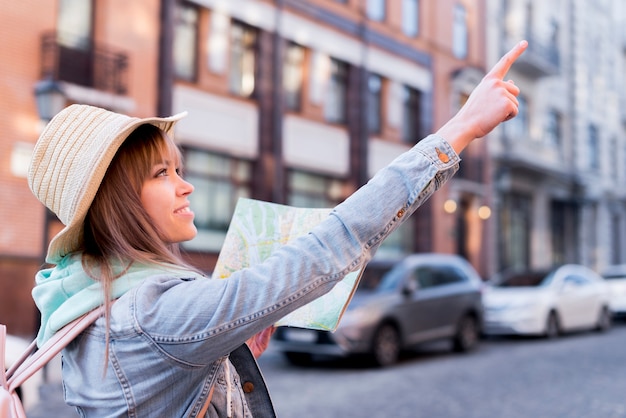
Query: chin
column 180, row 238
column 191, row 235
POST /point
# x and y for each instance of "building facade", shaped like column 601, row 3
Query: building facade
column 291, row 101
column 559, row 167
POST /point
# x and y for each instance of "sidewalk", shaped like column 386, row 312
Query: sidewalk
column 46, row 394
column 51, row 403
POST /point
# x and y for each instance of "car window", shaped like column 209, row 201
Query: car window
column 576, row 280
column 431, row 276
column 373, row 275
column 525, row 279
column 615, row 276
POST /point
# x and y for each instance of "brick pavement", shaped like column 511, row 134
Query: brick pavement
column 44, row 394
column 51, row 403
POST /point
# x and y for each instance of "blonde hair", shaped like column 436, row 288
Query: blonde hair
column 117, row 229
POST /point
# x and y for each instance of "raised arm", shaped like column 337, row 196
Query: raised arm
column 493, row 101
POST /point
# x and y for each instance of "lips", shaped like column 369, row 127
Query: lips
column 183, row 210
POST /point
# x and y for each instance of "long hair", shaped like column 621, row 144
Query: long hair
column 118, row 230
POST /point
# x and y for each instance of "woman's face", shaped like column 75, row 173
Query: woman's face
column 164, row 197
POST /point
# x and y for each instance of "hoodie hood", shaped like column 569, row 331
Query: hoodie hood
column 65, row 292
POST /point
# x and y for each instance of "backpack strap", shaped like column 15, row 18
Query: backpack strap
column 3, row 367
column 10, row 403
column 30, row 363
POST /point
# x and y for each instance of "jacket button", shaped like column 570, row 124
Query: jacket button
column 400, row 213
column 442, row 156
column 248, row 387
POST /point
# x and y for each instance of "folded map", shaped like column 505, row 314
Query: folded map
column 256, row 230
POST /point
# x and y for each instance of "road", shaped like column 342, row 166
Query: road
column 581, row 375
column 576, row 376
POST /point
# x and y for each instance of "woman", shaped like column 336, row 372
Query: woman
column 173, row 342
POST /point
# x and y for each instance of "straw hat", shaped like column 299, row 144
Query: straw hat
column 70, row 160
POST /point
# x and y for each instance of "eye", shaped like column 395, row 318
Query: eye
column 161, row 172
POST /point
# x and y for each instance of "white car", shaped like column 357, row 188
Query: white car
column 615, row 277
column 570, row 297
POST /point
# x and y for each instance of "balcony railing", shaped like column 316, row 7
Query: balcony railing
column 81, row 62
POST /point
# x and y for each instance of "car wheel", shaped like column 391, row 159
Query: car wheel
column 386, row 345
column 298, row 359
column 604, row 320
column 466, row 337
column 553, row 327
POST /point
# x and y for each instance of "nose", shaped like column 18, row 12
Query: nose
column 185, row 188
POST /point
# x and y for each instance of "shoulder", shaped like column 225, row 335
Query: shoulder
column 154, row 297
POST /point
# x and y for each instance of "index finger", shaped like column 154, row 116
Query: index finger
column 504, row 65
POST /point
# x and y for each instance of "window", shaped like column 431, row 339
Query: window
column 515, row 224
column 614, row 166
column 293, row 74
column 335, row 106
column 310, row 190
column 411, row 115
column 564, row 221
column 616, row 239
column 376, row 10
column 76, row 61
column 75, row 23
column 554, row 34
column 243, row 40
column 553, row 128
column 593, row 145
column 624, row 161
column 459, row 32
column 410, row 17
column 575, row 280
column 185, row 41
column 431, row 276
column 374, row 103
column 219, row 181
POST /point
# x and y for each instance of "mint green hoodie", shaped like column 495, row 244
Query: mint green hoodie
column 65, row 292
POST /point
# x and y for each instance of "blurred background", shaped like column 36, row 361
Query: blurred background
column 301, row 102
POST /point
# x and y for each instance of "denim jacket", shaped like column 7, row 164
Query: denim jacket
column 174, row 338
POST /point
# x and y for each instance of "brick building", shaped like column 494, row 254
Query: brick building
column 297, row 102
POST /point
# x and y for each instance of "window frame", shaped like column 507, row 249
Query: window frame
column 292, row 98
column 410, row 27
column 335, row 103
column 181, row 24
column 374, row 104
column 242, row 51
column 554, row 121
column 236, row 181
column 376, row 10
column 324, row 194
column 593, row 147
column 460, row 32
column 411, row 128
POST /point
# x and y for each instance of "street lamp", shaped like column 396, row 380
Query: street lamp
column 50, row 98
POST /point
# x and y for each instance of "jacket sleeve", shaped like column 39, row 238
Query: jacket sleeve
column 198, row 321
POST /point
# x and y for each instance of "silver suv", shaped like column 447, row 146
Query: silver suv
column 399, row 304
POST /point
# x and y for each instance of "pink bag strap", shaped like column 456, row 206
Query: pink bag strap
column 3, row 367
column 29, row 364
